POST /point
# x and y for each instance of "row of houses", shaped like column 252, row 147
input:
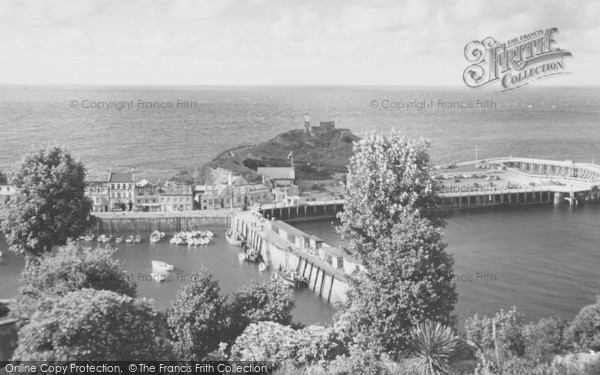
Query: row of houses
column 121, row 191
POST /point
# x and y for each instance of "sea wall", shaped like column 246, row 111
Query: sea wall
column 117, row 225
column 323, row 279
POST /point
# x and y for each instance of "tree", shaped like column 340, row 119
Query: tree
column 69, row 269
column 259, row 302
column 270, row 341
column 196, row 319
column 49, row 205
column 584, row 331
column 386, row 178
column 391, row 223
column 93, row 325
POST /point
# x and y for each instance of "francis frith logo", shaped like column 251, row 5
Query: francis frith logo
column 514, row 63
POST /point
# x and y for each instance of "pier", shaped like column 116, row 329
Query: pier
column 326, row 268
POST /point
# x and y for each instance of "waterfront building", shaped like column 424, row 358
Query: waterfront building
column 97, row 191
column 122, row 191
column 175, row 196
column 147, row 197
column 235, row 192
column 277, row 176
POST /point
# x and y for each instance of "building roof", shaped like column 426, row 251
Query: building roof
column 117, row 177
column 278, row 173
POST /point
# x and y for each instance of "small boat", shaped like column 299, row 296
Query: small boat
column 129, row 239
column 178, row 241
column 158, row 277
column 205, row 241
column 172, row 240
column 198, row 241
column 233, row 238
column 162, row 234
column 155, row 236
column 157, row 264
column 107, row 239
column 290, row 279
column 274, row 276
column 209, row 234
column 80, row 238
column 119, row 239
column 262, row 267
column 190, row 242
column 101, row 238
column 137, row 239
column 89, row 238
column 242, row 257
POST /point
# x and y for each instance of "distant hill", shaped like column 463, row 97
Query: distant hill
column 317, row 156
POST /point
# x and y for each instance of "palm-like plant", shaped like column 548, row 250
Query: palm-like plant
column 432, row 344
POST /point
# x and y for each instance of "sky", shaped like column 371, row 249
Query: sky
column 277, row 42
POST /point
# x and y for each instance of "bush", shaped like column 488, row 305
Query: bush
column 584, row 331
column 433, row 344
column 508, row 341
column 546, row 338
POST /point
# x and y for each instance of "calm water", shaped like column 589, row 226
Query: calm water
column 544, row 259
column 219, row 257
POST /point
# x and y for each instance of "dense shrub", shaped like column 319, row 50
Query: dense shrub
column 546, row 338
column 584, row 331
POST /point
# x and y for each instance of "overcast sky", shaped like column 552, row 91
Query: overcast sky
column 276, row 42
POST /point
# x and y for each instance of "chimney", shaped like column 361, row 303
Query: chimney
column 229, row 181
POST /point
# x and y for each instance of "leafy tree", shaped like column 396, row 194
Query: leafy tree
column 546, row 338
column 92, row 325
column 409, row 281
column 196, row 319
column 269, row 341
column 387, row 176
column 69, row 269
column 390, row 221
column 49, row 205
column 584, row 331
column 433, row 344
column 259, row 302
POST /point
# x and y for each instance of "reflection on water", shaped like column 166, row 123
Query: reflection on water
column 219, row 257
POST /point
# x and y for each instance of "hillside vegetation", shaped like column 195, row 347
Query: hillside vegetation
column 317, row 156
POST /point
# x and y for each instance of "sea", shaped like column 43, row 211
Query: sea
column 543, row 260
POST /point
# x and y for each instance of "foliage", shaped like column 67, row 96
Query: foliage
column 584, row 331
column 269, row 341
column 49, row 205
column 390, row 221
column 432, row 344
column 498, row 338
column 92, row 325
column 386, row 178
column 410, row 280
column 546, row 338
column 259, row 302
column 524, row 366
column 68, row 269
column 196, row 318
column 577, row 364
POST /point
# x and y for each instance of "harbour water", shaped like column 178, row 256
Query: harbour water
column 219, row 257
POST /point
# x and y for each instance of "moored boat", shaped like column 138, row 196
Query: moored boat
column 100, row 238
column 158, row 277
column 89, row 238
column 159, row 265
column 107, row 239
column 129, row 239
column 262, row 267
column 209, row 234
column 233, row 238
column 155, row 236
column 119, row 239
column 242, row 257
column 137, row 239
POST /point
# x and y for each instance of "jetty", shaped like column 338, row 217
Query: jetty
column 326, row 268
